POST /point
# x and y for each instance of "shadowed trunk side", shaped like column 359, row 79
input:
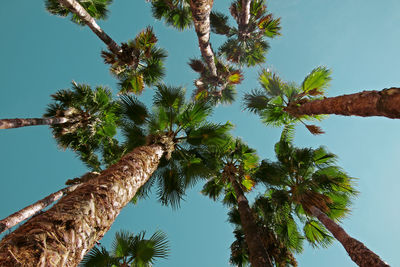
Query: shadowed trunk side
column 258, row 254
column 357, row 251
column 16, row 123
column 384, row 103
column 77, row 9
column 62, row 235
column 201, row 10
column 31, row 210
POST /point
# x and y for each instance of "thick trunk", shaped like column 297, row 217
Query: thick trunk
column 62, row 235
column 16, row 123
column 201, row 10
column 357, row 251
column 77, row 9
column 258, row 254
column 367, row 103
column 31, row 210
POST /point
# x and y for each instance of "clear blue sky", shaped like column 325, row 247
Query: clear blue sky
column 358, row 40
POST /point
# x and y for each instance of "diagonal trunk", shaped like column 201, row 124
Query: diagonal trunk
column 357, row 251
column 16, row 123
column 258, row 254
column 33, row 209
column 201, row 10
column 77, row 9
column 62, row 235
column 367, row 103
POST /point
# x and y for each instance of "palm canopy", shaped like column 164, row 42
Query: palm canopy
column 176, row 13
column 246, row 44
column 233, row 159
column 220, row 89
column 129, row 250
column 185, row 125
column 275, row 96
column 278, row 233
column 140, row 64
column 303, row 178
column 93, row 118
column 98, row 9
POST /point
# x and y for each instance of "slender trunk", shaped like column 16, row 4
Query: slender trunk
column 78, row 10
column 367, row 103
column 31, row 210
column 258, row 254
column 357, row 251
column 201, row 10
column 244, row 17
column 16, row 123
column 62, row 235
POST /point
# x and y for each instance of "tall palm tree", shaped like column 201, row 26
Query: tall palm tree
column 234, row 162
column 281, row 103
column 308, row 181
column 85, row 13
column 64, row 233
column 246, row 44
column 129, row 250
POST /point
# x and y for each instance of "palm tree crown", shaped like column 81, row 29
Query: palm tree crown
column 176, row 13
column 303, row 178
column 184, row 124
column 93, row 124
column 129, row 250
column 271, row 102
column 246, row 44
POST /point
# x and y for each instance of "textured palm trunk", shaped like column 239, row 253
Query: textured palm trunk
column 33, row 209
column 16, row 123
column 62, row 235
column 201, row 10
column 357, row 251
column 244, row 17
column 258, row 254
column 367, row 103
column 77, row 9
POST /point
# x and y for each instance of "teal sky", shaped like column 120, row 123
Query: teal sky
column 359, row 40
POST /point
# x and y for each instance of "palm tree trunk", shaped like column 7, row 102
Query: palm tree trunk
column 357, row 251
column 16, row 123
column 62, row 235
column 201, row 10
column 77, row 9
column 258, row 254
column 244, row 17
column 31, row 210
column 367, row 103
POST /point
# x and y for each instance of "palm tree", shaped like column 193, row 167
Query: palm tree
column 281, row 103
column 74, row 224
column 139, row 63
column 129, row 250
column 81, row 119
column 279, row 239
column 246, row 44
column 85, row 12
column 308, row 181
column 234, row 163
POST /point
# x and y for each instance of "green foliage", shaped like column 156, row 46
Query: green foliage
column 305, row 178
column 92, row 123
column 130, row 249
column 140, row 64
column 176, row 13
column 276, row 98
column 97, row 9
